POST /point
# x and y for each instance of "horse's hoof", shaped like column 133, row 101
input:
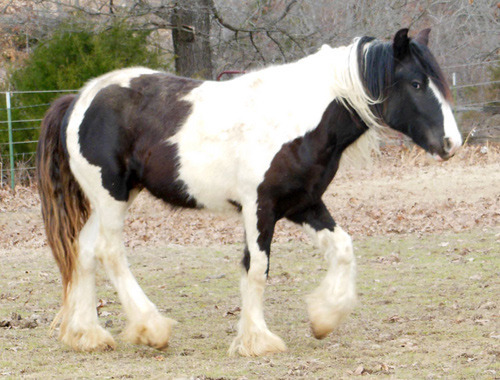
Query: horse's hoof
column 325, row 316
column 91, row 339
column 153, row 331
column 257, row 343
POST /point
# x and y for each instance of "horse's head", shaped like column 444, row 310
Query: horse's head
column 416, row 98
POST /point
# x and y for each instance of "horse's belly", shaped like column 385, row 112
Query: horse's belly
column 209, row 178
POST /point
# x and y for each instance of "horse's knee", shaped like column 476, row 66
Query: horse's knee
column 110, row 250
column 337, row 245
column 345, row 252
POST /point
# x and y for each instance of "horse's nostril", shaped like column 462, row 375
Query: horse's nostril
column 448, row 145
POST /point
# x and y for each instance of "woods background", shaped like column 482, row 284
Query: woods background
column 203, row 38
column 236, row 34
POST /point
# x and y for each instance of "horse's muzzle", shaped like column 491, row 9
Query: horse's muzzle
column 449, row 148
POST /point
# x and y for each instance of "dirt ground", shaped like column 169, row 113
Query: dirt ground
column 413, row 222
column 403, row 191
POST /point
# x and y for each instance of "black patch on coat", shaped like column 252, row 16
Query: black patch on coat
column 317, row 216
column 246, row 259
column 237, row 205
column 124, row 132
column 301, row 171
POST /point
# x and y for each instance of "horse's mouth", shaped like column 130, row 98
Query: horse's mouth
column 443, row 156
column 446, row 151
column 439, row 158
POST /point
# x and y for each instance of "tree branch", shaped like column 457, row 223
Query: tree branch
column 268, row 29
column 256, row 48
column 6, row 7
column 278, row 45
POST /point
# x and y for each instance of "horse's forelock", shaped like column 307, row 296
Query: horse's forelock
column 425, row 59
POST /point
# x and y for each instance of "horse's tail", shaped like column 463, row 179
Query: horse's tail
column 65, row 209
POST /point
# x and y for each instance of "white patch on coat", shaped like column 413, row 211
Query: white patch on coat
column 237, row 127
column 80, row 327
column 146, row 325
column 451, row 130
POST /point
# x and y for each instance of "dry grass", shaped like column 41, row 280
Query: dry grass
column 428, row 309
column 403, row 191
column 427, row 240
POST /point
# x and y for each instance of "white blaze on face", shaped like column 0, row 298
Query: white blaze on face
column 451, row 131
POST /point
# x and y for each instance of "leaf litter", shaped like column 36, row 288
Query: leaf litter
column 391, row 196
column 389, row 199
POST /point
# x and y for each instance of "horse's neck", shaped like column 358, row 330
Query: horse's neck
column 339, row 128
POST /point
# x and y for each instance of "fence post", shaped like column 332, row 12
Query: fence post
column 11, row 145
column 454, row 86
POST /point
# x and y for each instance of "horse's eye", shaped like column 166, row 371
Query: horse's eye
column 416, row 85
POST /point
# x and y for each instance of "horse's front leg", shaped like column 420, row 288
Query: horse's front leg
column 333, row 300
column 254, row 338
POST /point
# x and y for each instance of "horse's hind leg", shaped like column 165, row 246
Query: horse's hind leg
column 335, row 297
column 102, row 239
column 79, row 325
column 146, row 325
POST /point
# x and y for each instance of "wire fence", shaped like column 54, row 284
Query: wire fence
column 20, row 115
column 19, row 133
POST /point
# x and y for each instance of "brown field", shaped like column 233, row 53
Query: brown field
column 427, row 241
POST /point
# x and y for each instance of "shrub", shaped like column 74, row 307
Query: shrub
column 66, row 60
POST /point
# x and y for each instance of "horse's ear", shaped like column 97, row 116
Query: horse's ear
column 401, row 44
column 423, row 36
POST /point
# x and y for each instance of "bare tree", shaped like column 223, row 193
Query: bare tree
column 208, row 36
column 191, row 38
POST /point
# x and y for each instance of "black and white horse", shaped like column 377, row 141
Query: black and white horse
column 266, row 144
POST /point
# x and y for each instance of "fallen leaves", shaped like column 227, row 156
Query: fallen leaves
column 467, row 356
column 380, row 368
column 215, row 277
column 489, row 305
column 100, row 304
column 394, row 319
column 393, row 258
column 232, row 312
column 392, row 197
column 16, row 321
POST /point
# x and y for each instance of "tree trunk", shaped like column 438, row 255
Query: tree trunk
column 191, row 39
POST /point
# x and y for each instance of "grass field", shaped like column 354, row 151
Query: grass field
column 428, row 308
column 427, row 241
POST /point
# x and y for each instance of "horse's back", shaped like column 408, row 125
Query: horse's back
column 189, row 142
